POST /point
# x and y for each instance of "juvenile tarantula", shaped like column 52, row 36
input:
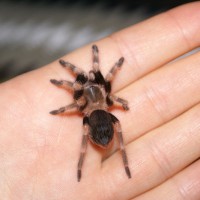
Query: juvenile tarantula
column 92, row 96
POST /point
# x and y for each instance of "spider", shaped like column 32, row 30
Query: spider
column 92, row 96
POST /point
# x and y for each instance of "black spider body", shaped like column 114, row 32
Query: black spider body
column 101, row 128
column 92, row 96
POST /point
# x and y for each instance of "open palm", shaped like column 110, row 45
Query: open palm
column 39, row 152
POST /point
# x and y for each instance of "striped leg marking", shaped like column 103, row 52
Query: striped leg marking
column 121, row 143
column 83, row 148
column 71, row 67
column 123, row 102
column 113, row 70
column 62, row 83
column 64, row 109
column 95, row 52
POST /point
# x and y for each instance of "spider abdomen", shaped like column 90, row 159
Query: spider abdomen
column 101, row 128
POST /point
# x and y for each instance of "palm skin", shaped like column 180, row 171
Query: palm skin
column 39, row 152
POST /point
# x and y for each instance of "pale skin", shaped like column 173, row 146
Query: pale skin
column 39, row 152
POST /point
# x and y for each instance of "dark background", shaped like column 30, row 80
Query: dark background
column 34, row 33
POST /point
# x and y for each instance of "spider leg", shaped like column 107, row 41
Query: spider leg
column 121, row 142
column 62, row 83
column 109, row 77
column 95, row 52
column 83, row 147
column 64, row 109
column 114, row 69
column 123, row 102
column 71, row 67
column 95, row 75
column 81, row 75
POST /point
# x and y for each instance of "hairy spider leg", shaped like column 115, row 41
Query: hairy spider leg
column 64, row 108
column 83, row 147
column 81, row 78
column 118, row 128
column 81, row 75
column 95, row 52
column 77, row 86
column 108, row 79
column 95, row 75
column 62, row 83
column 123, row 102
column 113, row 70
column 73, row 68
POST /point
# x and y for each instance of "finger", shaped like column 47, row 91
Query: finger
column 144, row 48
column 167, row 38
column 184, row 185
column 155, row 157
column 159, row 97
column 177, row 32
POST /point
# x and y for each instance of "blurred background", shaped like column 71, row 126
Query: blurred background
column 34, row 33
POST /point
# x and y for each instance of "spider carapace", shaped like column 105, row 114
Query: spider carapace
column 92, row 96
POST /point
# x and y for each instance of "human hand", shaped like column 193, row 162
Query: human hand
column 39, row 152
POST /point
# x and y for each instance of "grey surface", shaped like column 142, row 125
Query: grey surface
column 34, row 35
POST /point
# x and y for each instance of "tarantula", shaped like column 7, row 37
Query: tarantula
column 92, row 96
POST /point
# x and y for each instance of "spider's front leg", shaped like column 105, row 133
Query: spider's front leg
column 121, row 143
column 71, row 67
column 113, row 70
column 76, row 86
column 95, row 75
column 95, row 52
column 83, row 147
column 62, row 83
column 81, row 75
